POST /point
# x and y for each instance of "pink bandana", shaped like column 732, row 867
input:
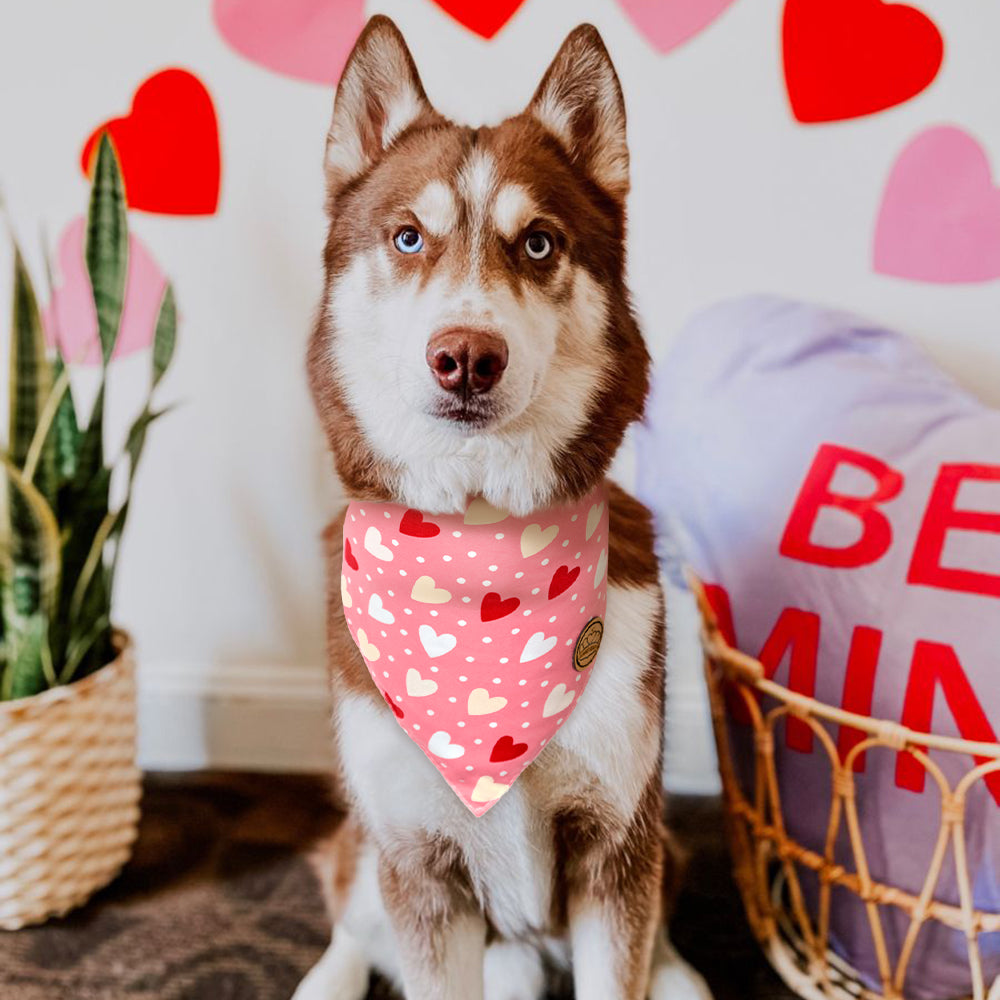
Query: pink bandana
column 479, row 629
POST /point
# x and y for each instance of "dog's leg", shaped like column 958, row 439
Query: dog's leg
column 341, row 974
column 440, row 934
column 513, row 971
column 671, row 977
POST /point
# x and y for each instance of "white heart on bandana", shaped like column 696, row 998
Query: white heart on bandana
column 441, row 746
column 378, row 612
column 373, row 544
column 434, row 644
column 537, row 646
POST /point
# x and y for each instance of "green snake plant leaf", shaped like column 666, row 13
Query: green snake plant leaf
column 94, row 560
column 32, row 554
column 66, row 429
column 165, row 338
column 29, row 661
column 106, row 251
column 30, row 385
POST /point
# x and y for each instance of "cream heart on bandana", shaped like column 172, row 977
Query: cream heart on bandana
column 534, row 539
column 425, row 592
column 480, row 702
column 488, row 790
column 489, row 627
column 373, row 544
column 417, row 686
column 345, row 594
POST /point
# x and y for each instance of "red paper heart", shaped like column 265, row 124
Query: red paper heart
column 413, row 524
column 493, row 607
column 506, row 749
column 484, row 17
column 562, row 579
column 168, row 145
column 847, row 58
column 392, row 705
column 349, row 555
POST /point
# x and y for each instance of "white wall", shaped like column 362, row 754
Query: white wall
column 221, row 581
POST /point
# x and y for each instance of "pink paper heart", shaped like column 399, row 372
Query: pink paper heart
column 71, row 316
column 305, row 39
column 940, row 214
column 666, row 25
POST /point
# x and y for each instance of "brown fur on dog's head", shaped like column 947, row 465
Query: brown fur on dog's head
column 577, row 369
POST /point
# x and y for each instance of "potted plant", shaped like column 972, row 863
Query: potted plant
column 69, row 785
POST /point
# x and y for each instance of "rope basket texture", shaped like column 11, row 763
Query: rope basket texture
column 69, row 792
column 768, row 863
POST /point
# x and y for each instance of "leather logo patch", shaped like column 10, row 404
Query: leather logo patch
column 588, row 643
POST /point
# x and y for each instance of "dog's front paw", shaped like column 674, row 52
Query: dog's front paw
column 673, row 979
column 341, row 974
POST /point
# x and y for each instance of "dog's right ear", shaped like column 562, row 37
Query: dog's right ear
column 379, row 97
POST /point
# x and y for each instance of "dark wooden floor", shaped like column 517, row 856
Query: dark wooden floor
column 219, row 903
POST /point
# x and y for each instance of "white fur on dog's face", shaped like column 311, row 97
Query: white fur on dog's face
column 554, row 335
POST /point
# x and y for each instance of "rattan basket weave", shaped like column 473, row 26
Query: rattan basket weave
column 767, row 860
column 69, row 792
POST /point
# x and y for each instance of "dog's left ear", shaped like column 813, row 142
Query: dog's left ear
column 580, row 101
column 379, row 97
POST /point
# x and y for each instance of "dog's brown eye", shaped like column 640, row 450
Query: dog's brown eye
column 408, row 240
column 538, row 245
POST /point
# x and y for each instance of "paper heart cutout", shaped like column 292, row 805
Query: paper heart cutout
column 399, row 713
column 562, row 580
column 373, row 544
column 168, row 145
column 434, row 644
column 414, row 525
column 349, row 556
column 368, row 650
column 847, row 58
column 940, row 215
column 506, row 749
column 480, row 702
column 484, row 17
column 488, row 790
column 493, row 607
column 345, row 594
column 534, row 538
column 594, row 518
column 558, row 701
column 70, row 317
column 537, row 646
column 666, row 25
column 417, row 686
column 304, row 39
column 426, row 592
column 602, row 568
column 378, row 611
column 441, row 746
column 481, row 511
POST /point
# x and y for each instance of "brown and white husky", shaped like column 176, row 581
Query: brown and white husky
column 475, row 338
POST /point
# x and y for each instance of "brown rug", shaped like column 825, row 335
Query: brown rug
column 219, row 903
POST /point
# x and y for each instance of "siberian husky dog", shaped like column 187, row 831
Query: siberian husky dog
column 475, row 338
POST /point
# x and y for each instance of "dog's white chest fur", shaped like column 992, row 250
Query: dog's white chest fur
column 509, row 853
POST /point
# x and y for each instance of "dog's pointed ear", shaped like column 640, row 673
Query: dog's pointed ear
column 580, row 101
column 378, row 98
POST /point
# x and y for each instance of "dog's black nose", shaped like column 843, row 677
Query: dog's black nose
column 463, row 359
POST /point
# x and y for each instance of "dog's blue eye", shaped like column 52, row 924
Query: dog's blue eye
column 409, row 240
column 538, row 245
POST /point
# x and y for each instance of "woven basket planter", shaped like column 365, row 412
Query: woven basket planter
column 69, row 792
column 767, row 860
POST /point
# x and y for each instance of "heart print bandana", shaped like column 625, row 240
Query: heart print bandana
column 479, row 629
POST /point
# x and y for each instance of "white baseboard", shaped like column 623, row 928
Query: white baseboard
column 276, row 718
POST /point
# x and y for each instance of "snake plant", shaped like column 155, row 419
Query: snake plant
column 59, row 530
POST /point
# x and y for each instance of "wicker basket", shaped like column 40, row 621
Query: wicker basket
column 767, row 860
column 69, row 792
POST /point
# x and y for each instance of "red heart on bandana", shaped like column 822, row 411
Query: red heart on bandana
column 493, row 607
column 506, row 749
column 349, row 555
column 484, row 17
column 413, row 524
column 847, row 58
column 562, row 579
column 168, row 145
column 392, row 705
